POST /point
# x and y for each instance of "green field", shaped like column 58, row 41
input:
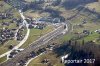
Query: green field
column 95, row 5
column 4, row 7
column 3, row 59
column 29, row 0
column 35, row 14
column 89, row 25
column 52, row 59
column 92, row 37
column 4, row 48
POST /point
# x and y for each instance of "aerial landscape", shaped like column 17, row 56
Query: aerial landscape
column 49, row 32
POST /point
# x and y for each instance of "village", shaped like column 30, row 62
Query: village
column 30, row 32
column 13, row 29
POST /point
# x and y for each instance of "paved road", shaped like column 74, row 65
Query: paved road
column 40, row 42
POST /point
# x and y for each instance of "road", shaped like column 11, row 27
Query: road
column 38, row 43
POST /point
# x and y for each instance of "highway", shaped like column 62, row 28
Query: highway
column 38, row 43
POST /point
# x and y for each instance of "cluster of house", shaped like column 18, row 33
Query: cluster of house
column 40, row 23
column 88, row 32
column 33, row 54
column 23, row 62
column 5, row 23
column 8, row 34
column 32, row 23
column 16, row 21
column 5, row 35
column 35, row 24
column 13, row 53
column 19, row 35
column 5, row 15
